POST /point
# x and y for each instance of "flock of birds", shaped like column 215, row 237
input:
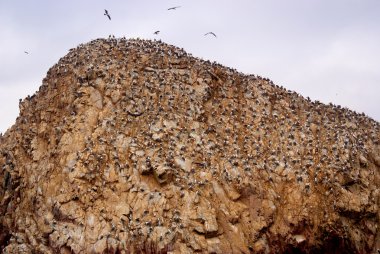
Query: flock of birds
column 106, row 13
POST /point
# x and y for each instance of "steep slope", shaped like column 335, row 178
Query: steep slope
column 136, row 146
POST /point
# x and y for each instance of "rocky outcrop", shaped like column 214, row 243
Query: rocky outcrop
column 134, row 146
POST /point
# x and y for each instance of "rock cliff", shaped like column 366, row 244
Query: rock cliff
column 135, row 146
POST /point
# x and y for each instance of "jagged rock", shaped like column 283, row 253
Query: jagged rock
column 161, row 173
column 134, row 146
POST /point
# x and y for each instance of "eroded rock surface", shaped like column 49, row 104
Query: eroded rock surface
column 129, row 142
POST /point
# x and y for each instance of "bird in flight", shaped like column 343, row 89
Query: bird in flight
column 26, row 52
column 107, row 14
column 173, row 8
column 157, row 32
column 211, row 34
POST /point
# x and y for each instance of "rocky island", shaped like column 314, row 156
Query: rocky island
column 135, row 146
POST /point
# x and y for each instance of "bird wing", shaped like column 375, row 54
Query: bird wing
column 173, row 8
column 210, row 33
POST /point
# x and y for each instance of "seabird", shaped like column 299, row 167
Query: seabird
column 107, row 14
column 210, row 33
column 173, row 8
column 157, row 32
column 26, row 52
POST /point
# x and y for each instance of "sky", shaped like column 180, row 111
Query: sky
column 327, row 50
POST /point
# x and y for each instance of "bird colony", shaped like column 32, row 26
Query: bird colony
column 135, row 146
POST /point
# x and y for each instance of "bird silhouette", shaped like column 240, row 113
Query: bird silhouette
column 211, row 34
column 107, row 14
column 173, row 8
column 26, row 52
column 157, row 32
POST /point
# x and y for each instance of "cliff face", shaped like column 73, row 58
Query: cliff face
column 135, row 146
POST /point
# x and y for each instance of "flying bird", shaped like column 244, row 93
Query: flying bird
column 211, row 34
column 157, row 32
column 26, row 52
column 173, row 8
column 107, row 14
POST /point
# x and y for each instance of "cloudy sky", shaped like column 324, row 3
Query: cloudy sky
column 325, row 49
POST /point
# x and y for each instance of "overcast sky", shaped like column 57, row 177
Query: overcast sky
column 325, row 49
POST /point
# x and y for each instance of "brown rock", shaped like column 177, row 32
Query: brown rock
column 133, row 146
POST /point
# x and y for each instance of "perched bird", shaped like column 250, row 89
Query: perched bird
column 157, row 32
column 26, row 52
column 210, row 33
column 107, row 14
column 173, row 8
